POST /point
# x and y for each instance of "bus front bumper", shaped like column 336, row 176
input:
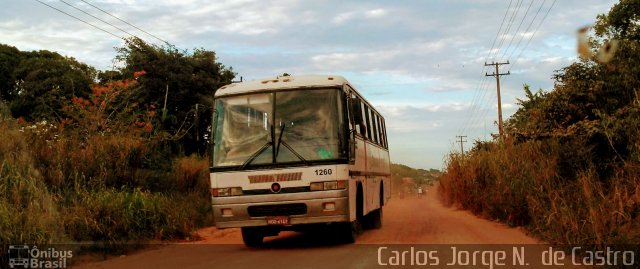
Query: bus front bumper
column 321, row 207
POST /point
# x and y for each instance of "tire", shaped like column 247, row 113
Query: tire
column 375, row 218
column 252, row 237
column 351, row 231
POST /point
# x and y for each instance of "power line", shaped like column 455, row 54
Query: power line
column 113, row 16
column 498, row 33
column 478, row 105
column 480, row 89
column 517, row 29
column 483, row 113
column 534, row 32
column 506, row 31
column 122, row 30
column 514, row 14
column 528, row 28
column 94, row 26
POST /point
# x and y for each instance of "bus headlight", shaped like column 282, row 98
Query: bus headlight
column 328, row 185
column 220, row 192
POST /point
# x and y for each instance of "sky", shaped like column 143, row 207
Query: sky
column 420, row 63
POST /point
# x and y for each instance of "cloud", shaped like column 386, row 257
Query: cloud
column 375, row 13
column 345, row 17
column 403, row 118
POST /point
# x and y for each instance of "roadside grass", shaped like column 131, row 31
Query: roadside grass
column 28, row 211
column 524, row 184
column 113, row 190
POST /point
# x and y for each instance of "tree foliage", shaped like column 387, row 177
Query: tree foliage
column 9, row 60
column 183, row 80
column 36, row 83
column 594, row 107
column 42, row 80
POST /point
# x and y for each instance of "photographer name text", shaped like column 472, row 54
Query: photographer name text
column 512, row 257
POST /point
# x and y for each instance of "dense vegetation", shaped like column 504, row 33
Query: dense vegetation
column 407, row 179
column 569, row 167
column 97, row 156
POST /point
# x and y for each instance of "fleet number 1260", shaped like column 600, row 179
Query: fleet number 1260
column 323, row 172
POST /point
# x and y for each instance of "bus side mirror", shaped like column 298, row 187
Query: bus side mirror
column 352, row 147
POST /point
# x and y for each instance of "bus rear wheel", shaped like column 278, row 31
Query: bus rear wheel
column 375, row 218
column 252, row 236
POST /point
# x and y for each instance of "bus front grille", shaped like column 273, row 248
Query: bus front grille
column 277, row 210
column 284, row 190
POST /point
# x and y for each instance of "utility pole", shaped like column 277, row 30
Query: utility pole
column 461, row 141
column 164, row 108
column 497, row 75
column 197, row 125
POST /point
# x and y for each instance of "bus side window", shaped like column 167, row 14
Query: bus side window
column 377, row 124
column 356, row 112
column 367, row 121
column 374, row 122
column 384, row 133
column 350, row 108
column 380, row 132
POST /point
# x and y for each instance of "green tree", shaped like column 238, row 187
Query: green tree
column 104, row 77
column 593, row 108
column 9, row 59
column 43, row 80
column 182, row 79
column 526, row 120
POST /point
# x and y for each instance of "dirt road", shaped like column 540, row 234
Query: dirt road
column 423, row 223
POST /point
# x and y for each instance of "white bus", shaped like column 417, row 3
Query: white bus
column 295, row 151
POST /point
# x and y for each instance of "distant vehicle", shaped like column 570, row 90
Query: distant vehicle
column 294, row 151
column 420, row 192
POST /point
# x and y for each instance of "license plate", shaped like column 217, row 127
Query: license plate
column 278, row 220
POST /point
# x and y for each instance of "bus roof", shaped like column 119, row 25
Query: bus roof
column 282, row 82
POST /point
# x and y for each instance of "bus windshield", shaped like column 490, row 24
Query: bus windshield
column 290, row 126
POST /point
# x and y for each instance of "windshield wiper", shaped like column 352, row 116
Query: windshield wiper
column 260, row 151
column 280, row 141
column 255, row 155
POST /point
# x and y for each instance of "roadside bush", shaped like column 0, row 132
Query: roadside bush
column 191, row 173
column 520, row 184
column 121, row 216
column 103, row 176
column 28, row 212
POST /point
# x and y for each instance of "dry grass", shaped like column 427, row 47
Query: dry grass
column 520, row 185
column 58, row 187
column 28, row 211
column 191, row 173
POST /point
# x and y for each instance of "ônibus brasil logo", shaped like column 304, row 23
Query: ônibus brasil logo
column 23, row 256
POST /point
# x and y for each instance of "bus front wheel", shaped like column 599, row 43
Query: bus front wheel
column 351, row 230
column 252, row 236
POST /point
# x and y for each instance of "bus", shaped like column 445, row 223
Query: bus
column 297, row 152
